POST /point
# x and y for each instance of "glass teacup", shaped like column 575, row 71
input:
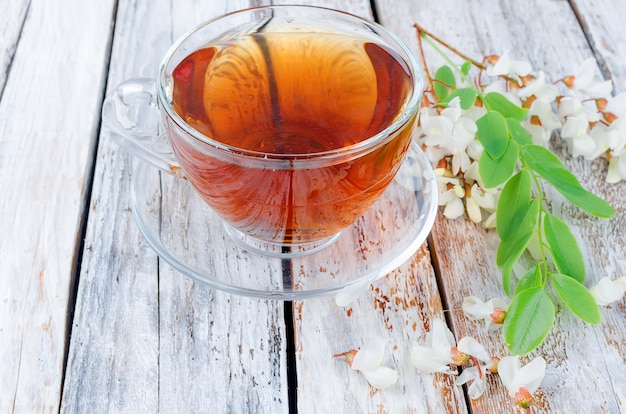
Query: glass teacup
column 289, row 121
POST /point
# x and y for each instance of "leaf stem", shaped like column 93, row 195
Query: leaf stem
column 544, row 261
column 421, row 49
column 462, row 55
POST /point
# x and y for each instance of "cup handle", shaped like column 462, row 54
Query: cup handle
column 131, row 116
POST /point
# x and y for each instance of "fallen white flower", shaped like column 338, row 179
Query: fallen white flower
column 492, row 312
column 477, row 376
column 607, row 291
column 521, row 381
column 368, row 361
column 436, row 353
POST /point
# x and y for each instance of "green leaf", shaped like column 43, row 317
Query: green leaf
column 493, row 133
column 550, row 168
column 528, row 321
column 565, row 251
column 512, row 248
column 531, row 279
column 506, row 277
column 496, row 171
column 513, row 204
column 518, row 132
column 465, row 68
column 467, row 97
column 577, row 298
column 444, row 81
column 495, row 101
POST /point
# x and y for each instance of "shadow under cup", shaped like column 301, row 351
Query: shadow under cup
column 291, row 121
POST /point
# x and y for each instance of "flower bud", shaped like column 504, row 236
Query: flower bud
column 569, row 81
column 523, row 398
column 494, row 365
column 492, row 59
column 349, row 356
column 443, row 163
column 534, row 120
column 610, row 117
column 601, row 104
column 498, row 315
column 458, row 357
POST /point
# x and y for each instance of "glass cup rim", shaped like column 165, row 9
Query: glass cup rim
column 352, row 151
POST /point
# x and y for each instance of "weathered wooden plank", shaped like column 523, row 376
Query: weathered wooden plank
column 231, row 355
column 397, row 308
column 602, row 23
column 12, row 15
column 48, row 118
column 579, row 376
column 146, row 338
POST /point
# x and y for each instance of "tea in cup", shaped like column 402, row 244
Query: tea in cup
column 288, row 121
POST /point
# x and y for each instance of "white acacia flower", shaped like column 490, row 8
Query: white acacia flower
column 617, row 104
column 539, row 134
column 477, row 375
column 617, row 169
column 368, row 361
column 542, row 112
column 473, row 210
column 454, row 209
column 571, row 106
column 436, row 353
column 492, row 312
column 440, row 351
column 617, row 151
column 480, row 199
column 585, row 82
column 487, row 198
column 607, row 291
column 507, row 66
column 539, row 89
column 450, row 195
column 490, row 221
column 451, row 132
column 474, row 150
column 473, row 173
column 576, row 133
column 617, row 136
column 471, row 347
column 521, row 381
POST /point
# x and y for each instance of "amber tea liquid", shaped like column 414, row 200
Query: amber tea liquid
column 299, row 94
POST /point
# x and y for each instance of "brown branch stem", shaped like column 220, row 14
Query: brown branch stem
column 421, row 31
column 421, row 49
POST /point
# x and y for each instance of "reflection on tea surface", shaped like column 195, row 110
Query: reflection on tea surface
column 291, row 93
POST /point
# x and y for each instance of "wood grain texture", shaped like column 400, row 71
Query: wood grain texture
column 161, row 342
column 578, row 377
column 48, row 126
column 602, row 23
column 12, row 15
column 144, row 338
column 398, row 308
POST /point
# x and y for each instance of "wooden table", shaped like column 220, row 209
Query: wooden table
column 92, row 321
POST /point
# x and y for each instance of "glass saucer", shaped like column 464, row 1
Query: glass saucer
column 188, row 235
